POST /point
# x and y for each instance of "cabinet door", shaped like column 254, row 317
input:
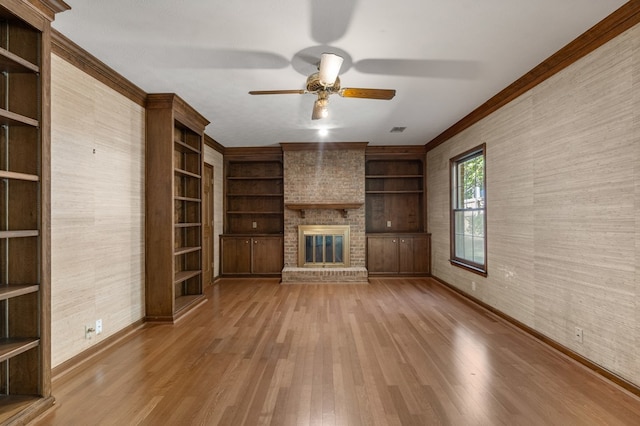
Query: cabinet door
column 413, row 254
column 382, row 254
column 268, row 255
column 236, row 255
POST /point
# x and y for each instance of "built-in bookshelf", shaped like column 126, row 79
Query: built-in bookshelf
column 254, row 213
column 395, row 222
column 254, row 197
column 394, row 195
column 174, row 165
column 25, row 348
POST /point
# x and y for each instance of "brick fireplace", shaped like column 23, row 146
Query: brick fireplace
column 324, row 184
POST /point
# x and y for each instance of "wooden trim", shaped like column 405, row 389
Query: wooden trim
column 28, row 13
column 322, row 146
column 30, row 413
column 94, row 350
column 610, row 27
column 182, row 111
column 386, row 151
column 258, row 153
column 341, row 207
column 49, row 8
column 83, row 60
column 212, row 143
column 601, row 371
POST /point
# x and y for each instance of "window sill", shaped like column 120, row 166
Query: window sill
column 468, row 267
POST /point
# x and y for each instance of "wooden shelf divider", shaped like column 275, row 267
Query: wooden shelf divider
column 9, row 118
column 4, row 174
column 12, row 347
column 19, row 234
column 15, row 290
column 12, row 63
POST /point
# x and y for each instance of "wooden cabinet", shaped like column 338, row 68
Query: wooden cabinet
column 394, row 195
column 174, row 166
column 403, row 254
column 25, row 348
column 382, row 254
column 252, row 254
column 236, row 255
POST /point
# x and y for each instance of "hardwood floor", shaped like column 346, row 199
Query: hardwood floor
column 395, row 352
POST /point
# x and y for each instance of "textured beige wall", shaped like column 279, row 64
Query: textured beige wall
column 97, row 210
column 563, row 200
column 213, row 157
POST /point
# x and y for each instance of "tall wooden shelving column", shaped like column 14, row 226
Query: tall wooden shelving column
column 174, row 164
column 25, row 348
column 395, row 206
column 253, row 241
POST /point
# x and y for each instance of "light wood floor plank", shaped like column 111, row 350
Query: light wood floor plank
column 394, row 352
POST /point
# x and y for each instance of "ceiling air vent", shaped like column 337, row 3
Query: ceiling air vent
column 397, row 129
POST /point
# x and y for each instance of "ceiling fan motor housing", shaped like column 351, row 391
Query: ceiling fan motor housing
column 314, row 85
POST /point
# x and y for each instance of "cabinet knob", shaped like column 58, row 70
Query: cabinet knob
column 394, row 241
column 255, row 242
column 246, row 242
column 402, row 241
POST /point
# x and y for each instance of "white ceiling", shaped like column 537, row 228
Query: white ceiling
column 443, row 57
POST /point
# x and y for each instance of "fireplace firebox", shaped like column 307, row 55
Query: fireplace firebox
column 323, row 246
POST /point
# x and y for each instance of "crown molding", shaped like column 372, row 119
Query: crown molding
column 212, row 143
column 627, row 16
column 80, row 58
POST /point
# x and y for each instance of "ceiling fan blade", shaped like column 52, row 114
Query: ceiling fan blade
column 354, row 92
column 330, row 19
column 454, row 69
column 278, row 92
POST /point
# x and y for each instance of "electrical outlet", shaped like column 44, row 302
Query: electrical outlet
column 388, row 224
column 578, row 335
column 88, row 331
column 473, row 285
column 254, row 225
column 98, row 326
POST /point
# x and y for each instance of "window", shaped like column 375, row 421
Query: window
column 468, row 211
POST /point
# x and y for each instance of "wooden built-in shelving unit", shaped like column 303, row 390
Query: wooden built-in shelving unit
column 254, row 213
column 175, row 134
column 25, row 348
column 394, row 195
column 395, row 206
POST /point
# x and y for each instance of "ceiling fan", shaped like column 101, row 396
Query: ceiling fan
column 326, row 82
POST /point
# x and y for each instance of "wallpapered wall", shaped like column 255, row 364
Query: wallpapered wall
column 563, row 192
column 97, row 210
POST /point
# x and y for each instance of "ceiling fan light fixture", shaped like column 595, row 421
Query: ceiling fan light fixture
column 329, row 68
column 320, row 109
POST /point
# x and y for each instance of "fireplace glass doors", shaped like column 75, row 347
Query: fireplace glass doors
column 323, row 245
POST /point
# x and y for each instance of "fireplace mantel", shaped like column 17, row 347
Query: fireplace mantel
column 342, row 207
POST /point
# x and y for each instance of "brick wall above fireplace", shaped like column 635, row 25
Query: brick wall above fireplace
column 317, row 174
